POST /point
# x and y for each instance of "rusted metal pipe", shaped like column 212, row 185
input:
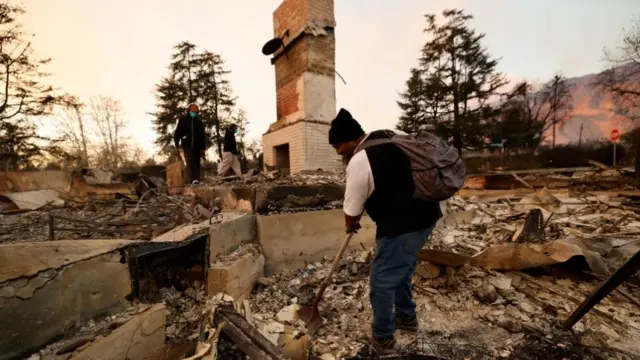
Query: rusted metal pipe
column 629, row 268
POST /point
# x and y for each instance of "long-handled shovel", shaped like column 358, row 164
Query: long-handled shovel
column 309, row 313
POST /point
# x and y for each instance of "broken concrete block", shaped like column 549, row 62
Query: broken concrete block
column 139, row 338
column 44, row 308
column 487, row 294
column 502, row 282
column 225, row 237
column 289, row 314
column 427, row 270
column 237, row 277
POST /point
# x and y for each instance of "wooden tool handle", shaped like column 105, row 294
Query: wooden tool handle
column 334, row 266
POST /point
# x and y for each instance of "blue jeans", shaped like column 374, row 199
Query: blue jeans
column 391, row 274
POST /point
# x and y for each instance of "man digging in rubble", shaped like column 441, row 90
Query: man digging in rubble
column 379, row 180
column 230, row 153
column 190, row 136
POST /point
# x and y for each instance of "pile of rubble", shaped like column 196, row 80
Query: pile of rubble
column 279, row 178
column 498, row 284
column 123, row 218
column 184, row 317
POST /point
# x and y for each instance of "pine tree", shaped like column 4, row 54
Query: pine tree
column 194, row 77
column 458, row 77
column 412, row 104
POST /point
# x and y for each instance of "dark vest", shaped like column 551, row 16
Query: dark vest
column 391, row 205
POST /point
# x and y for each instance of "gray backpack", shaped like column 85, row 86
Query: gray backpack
column 438, row 169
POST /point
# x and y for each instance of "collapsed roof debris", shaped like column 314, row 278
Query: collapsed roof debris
column 501, row 273
column 277, row 178
column 509, row 315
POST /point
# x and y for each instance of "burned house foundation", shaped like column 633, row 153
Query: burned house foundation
column 76, row 298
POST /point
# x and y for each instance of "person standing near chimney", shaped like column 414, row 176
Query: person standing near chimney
column 230, row 153
column 190, row 137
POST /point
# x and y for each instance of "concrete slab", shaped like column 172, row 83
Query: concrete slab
column 139, row 338
column 184, row 232
column 58, row 292
column 290, row 241
column 236, row 277
column 224, row 238
column 28, row 259
column 34, row 199
column 13, row 181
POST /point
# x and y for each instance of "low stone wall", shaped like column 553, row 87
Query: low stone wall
column 225, row 238
column 58, row 285
column 48, row 288
column 291, row 241
column 140, row 338
column 235, row 275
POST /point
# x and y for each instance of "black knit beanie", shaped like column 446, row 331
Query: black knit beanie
column 344, row 128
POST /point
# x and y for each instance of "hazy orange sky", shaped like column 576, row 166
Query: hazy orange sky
column 121, row 48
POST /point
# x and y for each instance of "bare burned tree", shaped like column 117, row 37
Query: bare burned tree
column 621, row 78
column 109, row 121
column 559, row 102
column 72, row 126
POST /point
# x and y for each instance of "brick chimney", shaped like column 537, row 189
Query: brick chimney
column 305, row 88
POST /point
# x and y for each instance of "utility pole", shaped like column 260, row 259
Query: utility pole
column 580, row 137
column 553, row 138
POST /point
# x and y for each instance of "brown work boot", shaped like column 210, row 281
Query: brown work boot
column 407, row 323
column 384, row 346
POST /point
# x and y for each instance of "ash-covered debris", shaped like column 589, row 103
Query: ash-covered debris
column 495, row 313
column 278, row 178
column 88, row 333
column 185, row 312
column 602, row 230
column 184, row 315
column 123, row 218
column 296, row 204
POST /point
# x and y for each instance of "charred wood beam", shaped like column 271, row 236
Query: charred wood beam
column 629, row 268
column 248, row 339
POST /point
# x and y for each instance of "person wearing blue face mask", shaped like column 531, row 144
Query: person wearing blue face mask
column 190, row 137
column 230, row 153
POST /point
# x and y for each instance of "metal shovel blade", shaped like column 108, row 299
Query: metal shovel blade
column 311, row 317
column 310, row 313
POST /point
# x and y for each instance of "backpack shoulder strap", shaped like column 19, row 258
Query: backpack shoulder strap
column 375, row 142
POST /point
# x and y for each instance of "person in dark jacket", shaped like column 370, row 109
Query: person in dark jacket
column 380, row 182
column 190, row 137
column 230, row 153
